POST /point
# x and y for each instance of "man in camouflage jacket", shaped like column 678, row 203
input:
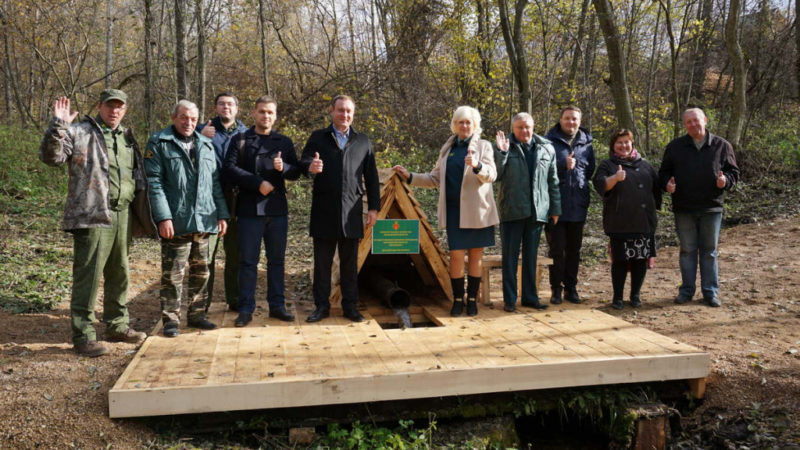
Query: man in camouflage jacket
column 106, row 184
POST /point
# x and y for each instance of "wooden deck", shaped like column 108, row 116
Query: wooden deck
column 271, row 364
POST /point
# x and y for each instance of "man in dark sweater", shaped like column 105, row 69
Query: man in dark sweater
column 697, row 169
column 259, row 161
column 339, row 159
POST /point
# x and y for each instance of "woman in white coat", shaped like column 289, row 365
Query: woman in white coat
column 464, row 174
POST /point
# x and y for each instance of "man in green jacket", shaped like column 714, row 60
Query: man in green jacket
column 528, row 195
column 188, row 206
column 106, row 185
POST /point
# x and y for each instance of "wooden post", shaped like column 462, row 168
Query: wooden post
column 697, row 387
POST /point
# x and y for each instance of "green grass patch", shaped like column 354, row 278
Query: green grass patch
column 35, row 257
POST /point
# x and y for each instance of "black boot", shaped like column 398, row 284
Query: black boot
column 472, row 307
column 555, row 296
column 458, row 296
column 572, row 295
column 616, row 303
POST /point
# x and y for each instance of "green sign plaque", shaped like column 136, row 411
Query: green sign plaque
column 395, row 236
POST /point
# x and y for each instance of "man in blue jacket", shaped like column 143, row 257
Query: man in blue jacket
column 221, row 130
column 266, row 159
column 188, row 205
column 575, row 161
column 697, row 169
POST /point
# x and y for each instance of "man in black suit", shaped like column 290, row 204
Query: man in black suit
column 259, row 161
column 338, row 158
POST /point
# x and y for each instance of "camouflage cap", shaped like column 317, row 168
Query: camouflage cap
column 113, row 94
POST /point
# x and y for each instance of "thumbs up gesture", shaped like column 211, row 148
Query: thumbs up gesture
column 208, row 131
column 721, row 180
column 571, row 161
column 316, row 164
column 620, row 175
column 671, row 185
column 277, row 162
column 471, row 160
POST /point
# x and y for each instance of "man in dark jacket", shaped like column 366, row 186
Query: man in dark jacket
column 222, row 130
column 106, row 183
column 188, row 206
column 697, row 169
column 339, row 159
column 576, row 162
column 259, row 162
column 528, row 196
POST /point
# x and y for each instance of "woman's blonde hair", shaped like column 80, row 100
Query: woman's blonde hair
column 466, row 112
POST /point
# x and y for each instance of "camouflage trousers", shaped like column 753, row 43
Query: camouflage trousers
column 192, row 250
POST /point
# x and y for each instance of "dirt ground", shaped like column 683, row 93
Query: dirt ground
column 50, row 398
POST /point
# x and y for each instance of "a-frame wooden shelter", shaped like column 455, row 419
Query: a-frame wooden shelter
column 398, row 202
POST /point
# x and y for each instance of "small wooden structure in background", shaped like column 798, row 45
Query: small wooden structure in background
column 398, row 202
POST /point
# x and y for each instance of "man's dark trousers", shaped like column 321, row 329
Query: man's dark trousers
column 230, row 243
column 252, row 230
column 324, row 250
column 565, row 240
column 513, row 233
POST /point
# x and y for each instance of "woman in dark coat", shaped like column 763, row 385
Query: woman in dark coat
column 631, row 196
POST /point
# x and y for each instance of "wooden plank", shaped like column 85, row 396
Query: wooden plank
column 224, row 369
column 608, row 329
column 127, row 380
column 179, row 361
column 572, row 328
column 202, row 360
column 435, row 383
column 248, row 356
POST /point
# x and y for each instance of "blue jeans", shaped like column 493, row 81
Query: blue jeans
column 699, row 235
column 513, row 233
column 252, row 230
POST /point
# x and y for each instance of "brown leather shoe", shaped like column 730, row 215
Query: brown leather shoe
column 92, row 349
column 130, row 336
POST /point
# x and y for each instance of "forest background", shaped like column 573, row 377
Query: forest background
column 409, row 63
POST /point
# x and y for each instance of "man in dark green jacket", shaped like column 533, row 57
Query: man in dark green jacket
column 188, row 205
column 528, row 196
column 106, row 187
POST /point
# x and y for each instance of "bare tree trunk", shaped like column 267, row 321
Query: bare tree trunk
column 797, row 44
column 200, row 94
column 589, row 88
column 577, row 53
column 673, row 54
column 109, row 44
column 148, row 65
column 616, row 65
column 351, row 31
column 736, row 124
column 700, row 57
column 262, row 25
column 650, row 79
column 516, row 50
column 181, row 83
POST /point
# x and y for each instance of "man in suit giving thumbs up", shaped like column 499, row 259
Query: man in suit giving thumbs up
column 339, row 160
